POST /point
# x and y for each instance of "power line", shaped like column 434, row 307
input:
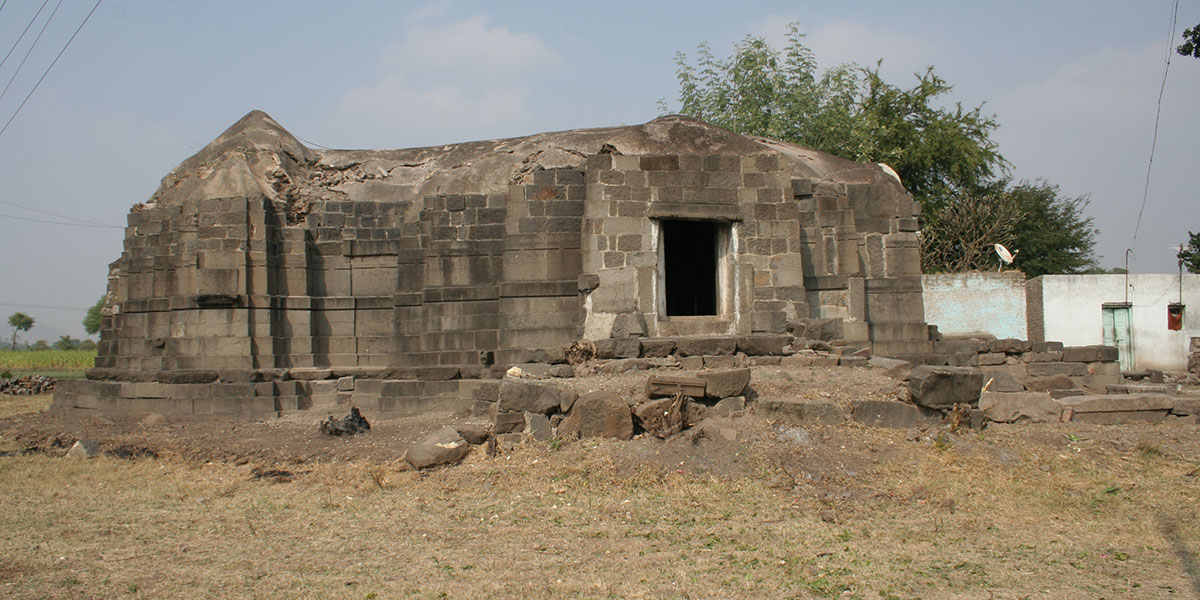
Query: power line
column 45, row 212
column 43, row 77
column 22, row 36
column 31, row 47
column 1157, row 114
column 59, row 222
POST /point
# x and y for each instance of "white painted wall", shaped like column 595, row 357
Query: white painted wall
column 1072, row 305
column 964, row 303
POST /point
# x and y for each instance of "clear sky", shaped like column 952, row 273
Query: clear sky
column 146, row 84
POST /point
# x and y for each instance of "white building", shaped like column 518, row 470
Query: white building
column 1150, row 318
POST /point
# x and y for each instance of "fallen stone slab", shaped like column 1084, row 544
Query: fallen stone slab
column 84, row 449
column 893, row 415
column 1117, row 409
column 522, row 396
column 895, row 368
column 442, row 447
column 724, row 383
column 942, row 387
column 659, row 386
column 598, row 414
column 1171, row 389
column 538, row 426
column 1011, row 407
column 708, row 346
column 801, row 411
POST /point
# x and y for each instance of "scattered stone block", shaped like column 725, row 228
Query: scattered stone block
column 725, row 383
column 851, row 360
column 657, row 347
column 660, row 385
column 345, row 384
column 442, row 447
column 1045, row 384
column 1010, row 407
column 1010, row 346
column 895, row 368
column 801, row 411
column 1118, row 409
column 726, row 361
column 474, row 433
column 618, row 348
column 893, row 415
column 521, row 396
column 1050, row 369
column 84, row 449
column 509, row 422
column 1032, row 357
column 623, row 365
column 154, row 420
column 763, row 345
column 1081, row 353
column 538, row 426
column 992, row 358
column 691, row 363
column 598, row 414
column 734, row 406
column 942, row 387
column 705, row 346
column 1004, row 383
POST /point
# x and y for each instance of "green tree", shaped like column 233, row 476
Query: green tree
column 66, row 342
column 40, row 345
column 1189, row 255
column 94, row 318
column 1054, row 235
column 946, row 158
column 849, row 111
column 19, row 321
column 1191, row 42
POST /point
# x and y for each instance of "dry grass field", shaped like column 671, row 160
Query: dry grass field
column 1063, row 511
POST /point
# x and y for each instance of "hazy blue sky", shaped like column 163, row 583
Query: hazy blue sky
column 146, row 84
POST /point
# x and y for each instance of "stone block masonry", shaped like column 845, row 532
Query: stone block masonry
column 266, row 277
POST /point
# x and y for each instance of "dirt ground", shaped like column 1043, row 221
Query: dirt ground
column 742, row 507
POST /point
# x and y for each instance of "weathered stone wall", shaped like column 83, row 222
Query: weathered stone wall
column 267, row 277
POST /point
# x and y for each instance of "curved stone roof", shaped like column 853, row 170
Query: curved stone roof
column 257, row 155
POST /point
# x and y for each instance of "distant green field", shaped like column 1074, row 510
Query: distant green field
column 47, row 362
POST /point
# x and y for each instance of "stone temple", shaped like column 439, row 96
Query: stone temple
column 266, row 277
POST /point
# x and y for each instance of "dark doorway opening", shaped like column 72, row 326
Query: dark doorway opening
column 690, row 266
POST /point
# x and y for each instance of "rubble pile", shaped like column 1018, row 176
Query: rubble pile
column 27, row 385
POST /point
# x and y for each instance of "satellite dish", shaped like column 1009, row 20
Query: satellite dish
column 1006, row 257
column 891, row 172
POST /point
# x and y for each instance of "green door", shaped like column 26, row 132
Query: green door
column 1116, row 333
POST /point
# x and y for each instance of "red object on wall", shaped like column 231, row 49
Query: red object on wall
column 1174, row 317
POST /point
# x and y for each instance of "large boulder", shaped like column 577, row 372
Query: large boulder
column 442, row 447
column 521, row 396
column 940, row 387
column 724, row 383
column 1011, row 407
column 598, row 414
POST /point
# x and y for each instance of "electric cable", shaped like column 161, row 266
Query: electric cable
column 46, row 212
column 22, row 36
column 30, row 51
column 59, row 222
column 1157, row 114
column 43, row 77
